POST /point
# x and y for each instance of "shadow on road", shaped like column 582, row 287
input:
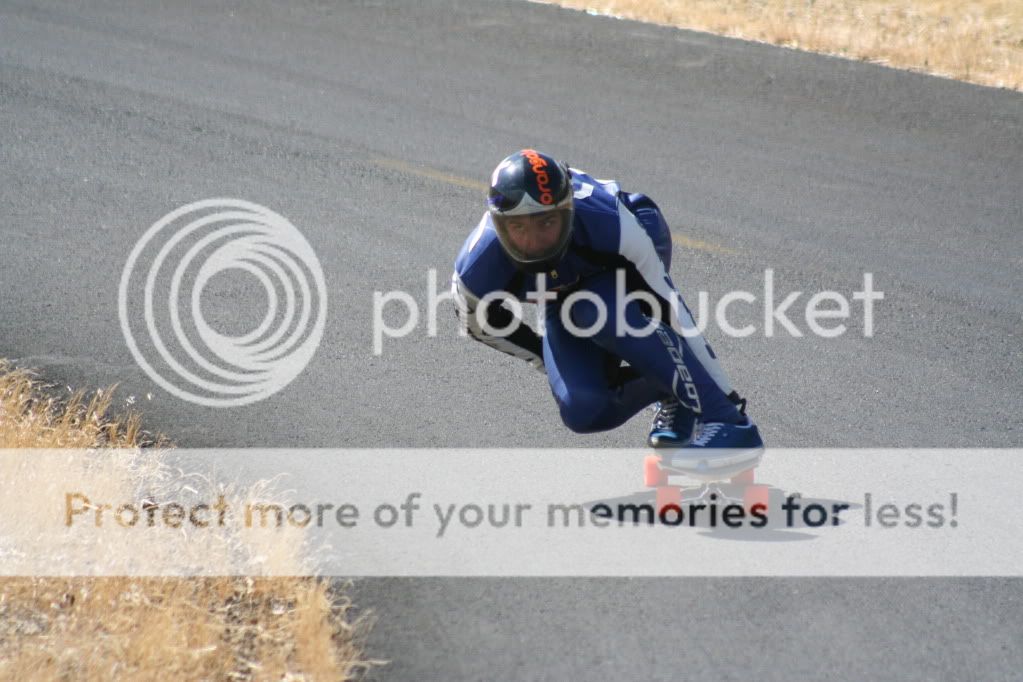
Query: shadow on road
column 706, row 511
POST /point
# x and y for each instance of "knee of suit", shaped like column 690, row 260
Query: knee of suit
column 581, row 410
column 590, row 317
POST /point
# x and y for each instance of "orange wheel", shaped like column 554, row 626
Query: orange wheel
column 744, row 478
column 653, row 475
column 667, row 495
column 757, row 495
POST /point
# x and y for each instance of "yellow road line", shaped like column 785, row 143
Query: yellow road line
column 431, row 173
column 700, row 245
column 458, row 181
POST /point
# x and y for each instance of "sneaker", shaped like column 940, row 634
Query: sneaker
column 672, row 426
column 720, row 450
column 719, row 435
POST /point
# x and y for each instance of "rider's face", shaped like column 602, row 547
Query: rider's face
column 534, row 234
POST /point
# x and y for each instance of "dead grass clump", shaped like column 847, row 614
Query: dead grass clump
column 31, row 417
column 156, row 628
column 129, row 628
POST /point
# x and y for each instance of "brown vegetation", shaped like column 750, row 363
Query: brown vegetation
column 980, row 41
column 132, row 628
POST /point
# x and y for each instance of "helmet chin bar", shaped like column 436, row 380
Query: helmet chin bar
column 538, row 266
column 543, row 262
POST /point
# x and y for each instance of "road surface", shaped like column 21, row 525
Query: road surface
column 373, row 125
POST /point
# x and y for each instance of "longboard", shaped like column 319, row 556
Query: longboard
column 731, row 481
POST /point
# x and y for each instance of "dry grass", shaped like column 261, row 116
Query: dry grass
column 980, row 41
column 174, row 629
column 122, row 628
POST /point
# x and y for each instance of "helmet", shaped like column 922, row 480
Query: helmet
column 530, row 201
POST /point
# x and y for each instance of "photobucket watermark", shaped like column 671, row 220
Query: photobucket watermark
column 585, row 313
column 161, row 309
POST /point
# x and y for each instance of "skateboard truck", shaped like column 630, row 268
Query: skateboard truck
column 728, row 474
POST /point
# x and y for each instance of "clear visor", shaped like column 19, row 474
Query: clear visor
column 534, row 237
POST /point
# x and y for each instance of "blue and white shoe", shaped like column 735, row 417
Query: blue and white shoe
column 720, row 450
column 672, row 426
column 735, row 436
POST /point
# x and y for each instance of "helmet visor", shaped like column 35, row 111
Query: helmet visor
column 534, row 237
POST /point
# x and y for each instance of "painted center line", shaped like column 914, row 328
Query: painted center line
column 458, row 181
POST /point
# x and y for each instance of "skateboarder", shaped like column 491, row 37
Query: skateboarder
column 580, row 246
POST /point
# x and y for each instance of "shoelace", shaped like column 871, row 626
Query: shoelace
column 707, row 431
column 665, row 417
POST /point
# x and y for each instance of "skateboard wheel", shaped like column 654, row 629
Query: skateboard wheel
column 667, row 495
column 653, row 475
column 757, row 495
column 743, row 478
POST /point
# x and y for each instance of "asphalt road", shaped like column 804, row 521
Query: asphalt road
column 371, row 125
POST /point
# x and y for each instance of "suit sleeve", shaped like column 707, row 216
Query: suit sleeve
column 516, row 338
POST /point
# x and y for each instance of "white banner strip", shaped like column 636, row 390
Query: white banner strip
column 487, row 512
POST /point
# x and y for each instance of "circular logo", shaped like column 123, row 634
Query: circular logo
column 164, row 280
